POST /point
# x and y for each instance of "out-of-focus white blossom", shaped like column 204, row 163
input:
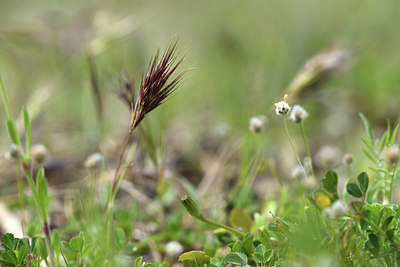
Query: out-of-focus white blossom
column 298, row 114
column 173, row 249
column 337, row 209
column 257, row 123
column 327, row 156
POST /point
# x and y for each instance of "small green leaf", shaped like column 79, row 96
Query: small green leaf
column 40, row 248
column 194, row 259
column 138, row 261
column 76, row 244
column 12, row 131
column 214, row 262
column 10, row 258
column 8, row 242
column 259, row 253
column 387, row 222
column 247, row 245
column 239, row 218
column 42, row 193
column 236, row 258
column 237, row 247
column 330, row 182
column 390, row 234
column 56, row 243
column 119, row 238
column 374, row 241
column 21, row 254
column 354, row 190
column 367, row 126
column 28, row 132
column 363, row 180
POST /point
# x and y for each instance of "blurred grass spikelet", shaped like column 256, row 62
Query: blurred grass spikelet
column 317, row 71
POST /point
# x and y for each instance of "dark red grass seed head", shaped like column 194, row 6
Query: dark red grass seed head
column 155, row 87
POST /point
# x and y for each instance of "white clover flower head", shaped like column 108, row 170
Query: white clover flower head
column 327, row 156
column 39, row 153
column 297, row 172
column 298, row 114
column 94, row 162
column 173, row 249
column 337, row 209
column 257, row 123
column 392, row 154
column 348, row 159
column 282, row 108
column 309, row 183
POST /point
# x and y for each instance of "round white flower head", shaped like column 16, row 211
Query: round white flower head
column 392, row 154
column 94, row 162
column 173, row 249
column 39, row 153
column 297, row 173
column 337, row 209
column 282, row 108
column 298, row 114
column 257, row 123
column 327, row 156
column 309, row 183
column 348, row 159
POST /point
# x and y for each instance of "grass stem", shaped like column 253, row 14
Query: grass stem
column 303, row 132
column 293, row 147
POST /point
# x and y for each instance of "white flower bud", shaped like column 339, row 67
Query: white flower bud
column 39, row 153
column 173, row 249
column 257, row 123
column 348, row 159
column 297, row 172
column 13, row 151
column 94, row 162
column 392, row 154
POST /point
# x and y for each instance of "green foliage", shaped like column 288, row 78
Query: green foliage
column 194, row 259
column 17, row 252
column 330, row 182
column 238, row 218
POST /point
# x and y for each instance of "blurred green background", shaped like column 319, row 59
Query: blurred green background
column 241, row 55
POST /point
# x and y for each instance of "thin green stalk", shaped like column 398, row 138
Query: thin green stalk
column 293, row 147
column 21, row 197
column 391, row 184
column 217, row 224
column 307, row 148
column 5, row 99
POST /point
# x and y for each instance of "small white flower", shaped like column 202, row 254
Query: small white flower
column 282, row 108
column 337, row 209
column 327, row 156
column 257, row 123
column 298, row 114
column 173, row 249
column 348, row 159
column 94, row 162
column 309, row 183
column 297, row 172
column 13, row 152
